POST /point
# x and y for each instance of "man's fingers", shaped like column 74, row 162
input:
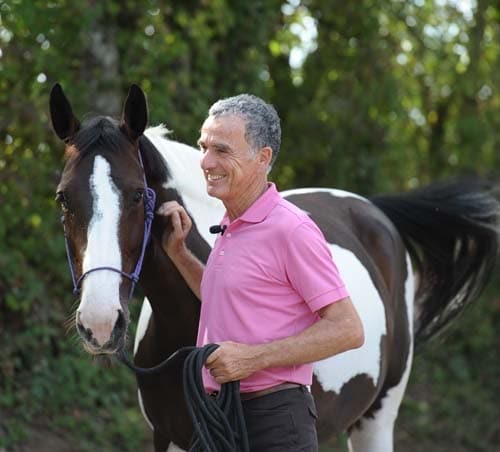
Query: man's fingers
column 167, row 207
column 211, row 358
column 181, row 222
column 185, row 219
column 221, row 380
column 175, row 218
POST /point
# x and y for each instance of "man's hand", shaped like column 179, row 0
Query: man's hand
column 233, row 361
column 173, row 243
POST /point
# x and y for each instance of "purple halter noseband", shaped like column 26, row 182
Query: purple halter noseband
column 149, row 205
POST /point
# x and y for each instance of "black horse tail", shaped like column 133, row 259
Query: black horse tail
column 451, row 231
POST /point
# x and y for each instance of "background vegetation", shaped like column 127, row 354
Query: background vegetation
column 374, row 95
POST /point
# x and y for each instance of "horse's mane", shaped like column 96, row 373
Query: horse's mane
column 182, row 161
column 154, row 164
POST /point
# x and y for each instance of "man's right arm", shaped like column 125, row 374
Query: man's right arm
column 174, row 245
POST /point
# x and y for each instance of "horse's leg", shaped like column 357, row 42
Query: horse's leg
column 375, row 433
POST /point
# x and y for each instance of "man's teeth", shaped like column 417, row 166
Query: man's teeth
column 214, row 177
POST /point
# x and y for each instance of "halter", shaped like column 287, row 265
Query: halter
column 149, row 205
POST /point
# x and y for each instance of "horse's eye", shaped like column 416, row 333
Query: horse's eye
column 61, row 199
column 138, row 195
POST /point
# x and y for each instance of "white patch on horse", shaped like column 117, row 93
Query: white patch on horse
column 334, row 372
column 174, row 448
column 100, row 301
column 141, row 406
column 376, row 433
column 333, row 191
column 142, row 324
column 187, row 178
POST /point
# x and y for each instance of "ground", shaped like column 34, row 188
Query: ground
column 41, row 440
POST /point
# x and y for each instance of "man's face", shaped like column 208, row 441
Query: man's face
column 230, row 167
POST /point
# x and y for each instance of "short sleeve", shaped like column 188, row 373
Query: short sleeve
column 311, row 269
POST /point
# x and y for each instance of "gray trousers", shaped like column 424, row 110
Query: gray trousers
column 283, row 421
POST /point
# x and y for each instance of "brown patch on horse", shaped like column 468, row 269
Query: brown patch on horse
column 361, row 228
column 337, row 411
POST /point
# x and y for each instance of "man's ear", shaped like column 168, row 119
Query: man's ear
column 266, row 155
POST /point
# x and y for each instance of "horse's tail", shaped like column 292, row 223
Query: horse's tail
column 451, row 231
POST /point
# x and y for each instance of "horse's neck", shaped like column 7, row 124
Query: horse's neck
column 175, row 308
column 186, row 179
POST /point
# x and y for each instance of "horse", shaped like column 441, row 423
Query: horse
column 411, row 262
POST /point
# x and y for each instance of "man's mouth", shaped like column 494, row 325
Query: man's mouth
column 214, row 177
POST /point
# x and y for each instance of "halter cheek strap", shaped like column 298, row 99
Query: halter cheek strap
column 149, row 205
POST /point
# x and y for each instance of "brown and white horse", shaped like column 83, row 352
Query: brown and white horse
column 447, row 233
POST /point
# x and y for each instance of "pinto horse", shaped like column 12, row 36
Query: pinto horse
column 411, row 263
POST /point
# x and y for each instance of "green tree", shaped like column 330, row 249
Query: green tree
column 390, row 95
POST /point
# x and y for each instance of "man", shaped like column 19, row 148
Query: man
column 271, row 296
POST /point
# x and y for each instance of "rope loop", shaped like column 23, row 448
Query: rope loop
column 219, row 424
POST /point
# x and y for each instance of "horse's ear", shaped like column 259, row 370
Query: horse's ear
column 135, row 113
column 64, row 121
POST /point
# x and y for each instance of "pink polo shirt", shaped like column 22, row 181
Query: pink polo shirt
column 265, row 278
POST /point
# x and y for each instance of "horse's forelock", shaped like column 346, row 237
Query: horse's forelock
column 100, row 132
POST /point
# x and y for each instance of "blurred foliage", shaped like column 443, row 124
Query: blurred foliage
column 452, row 401
column 374, row 95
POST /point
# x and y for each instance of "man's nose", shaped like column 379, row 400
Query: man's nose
column 207, row 160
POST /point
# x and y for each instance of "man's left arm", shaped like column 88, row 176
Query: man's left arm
column 339, row 329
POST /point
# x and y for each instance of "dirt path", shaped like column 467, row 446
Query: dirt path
column 41, row 440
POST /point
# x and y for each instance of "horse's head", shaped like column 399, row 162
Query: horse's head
column 102, row 194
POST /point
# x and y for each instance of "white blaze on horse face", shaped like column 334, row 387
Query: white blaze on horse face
column 332, row 373
column 100, row 303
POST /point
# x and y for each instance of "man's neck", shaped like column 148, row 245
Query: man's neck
column 238, row 207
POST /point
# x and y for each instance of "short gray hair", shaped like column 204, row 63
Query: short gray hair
column 262, row 123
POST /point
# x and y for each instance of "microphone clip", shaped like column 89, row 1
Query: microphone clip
column 218, row 229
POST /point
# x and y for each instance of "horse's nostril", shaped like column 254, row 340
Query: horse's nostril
column 86, row 333
column 119, row 329
column 120, row 321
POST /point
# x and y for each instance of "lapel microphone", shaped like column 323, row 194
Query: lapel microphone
column 217, row 229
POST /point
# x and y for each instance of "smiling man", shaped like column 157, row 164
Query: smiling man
column 270, row 293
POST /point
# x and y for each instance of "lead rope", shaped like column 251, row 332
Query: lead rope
column 218, row 422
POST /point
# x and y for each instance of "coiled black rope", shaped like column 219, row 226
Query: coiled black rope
column 218, row 422
column 219, row 425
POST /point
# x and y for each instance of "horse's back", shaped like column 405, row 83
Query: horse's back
column 373, row 263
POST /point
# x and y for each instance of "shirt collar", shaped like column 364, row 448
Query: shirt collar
column 261, row 207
